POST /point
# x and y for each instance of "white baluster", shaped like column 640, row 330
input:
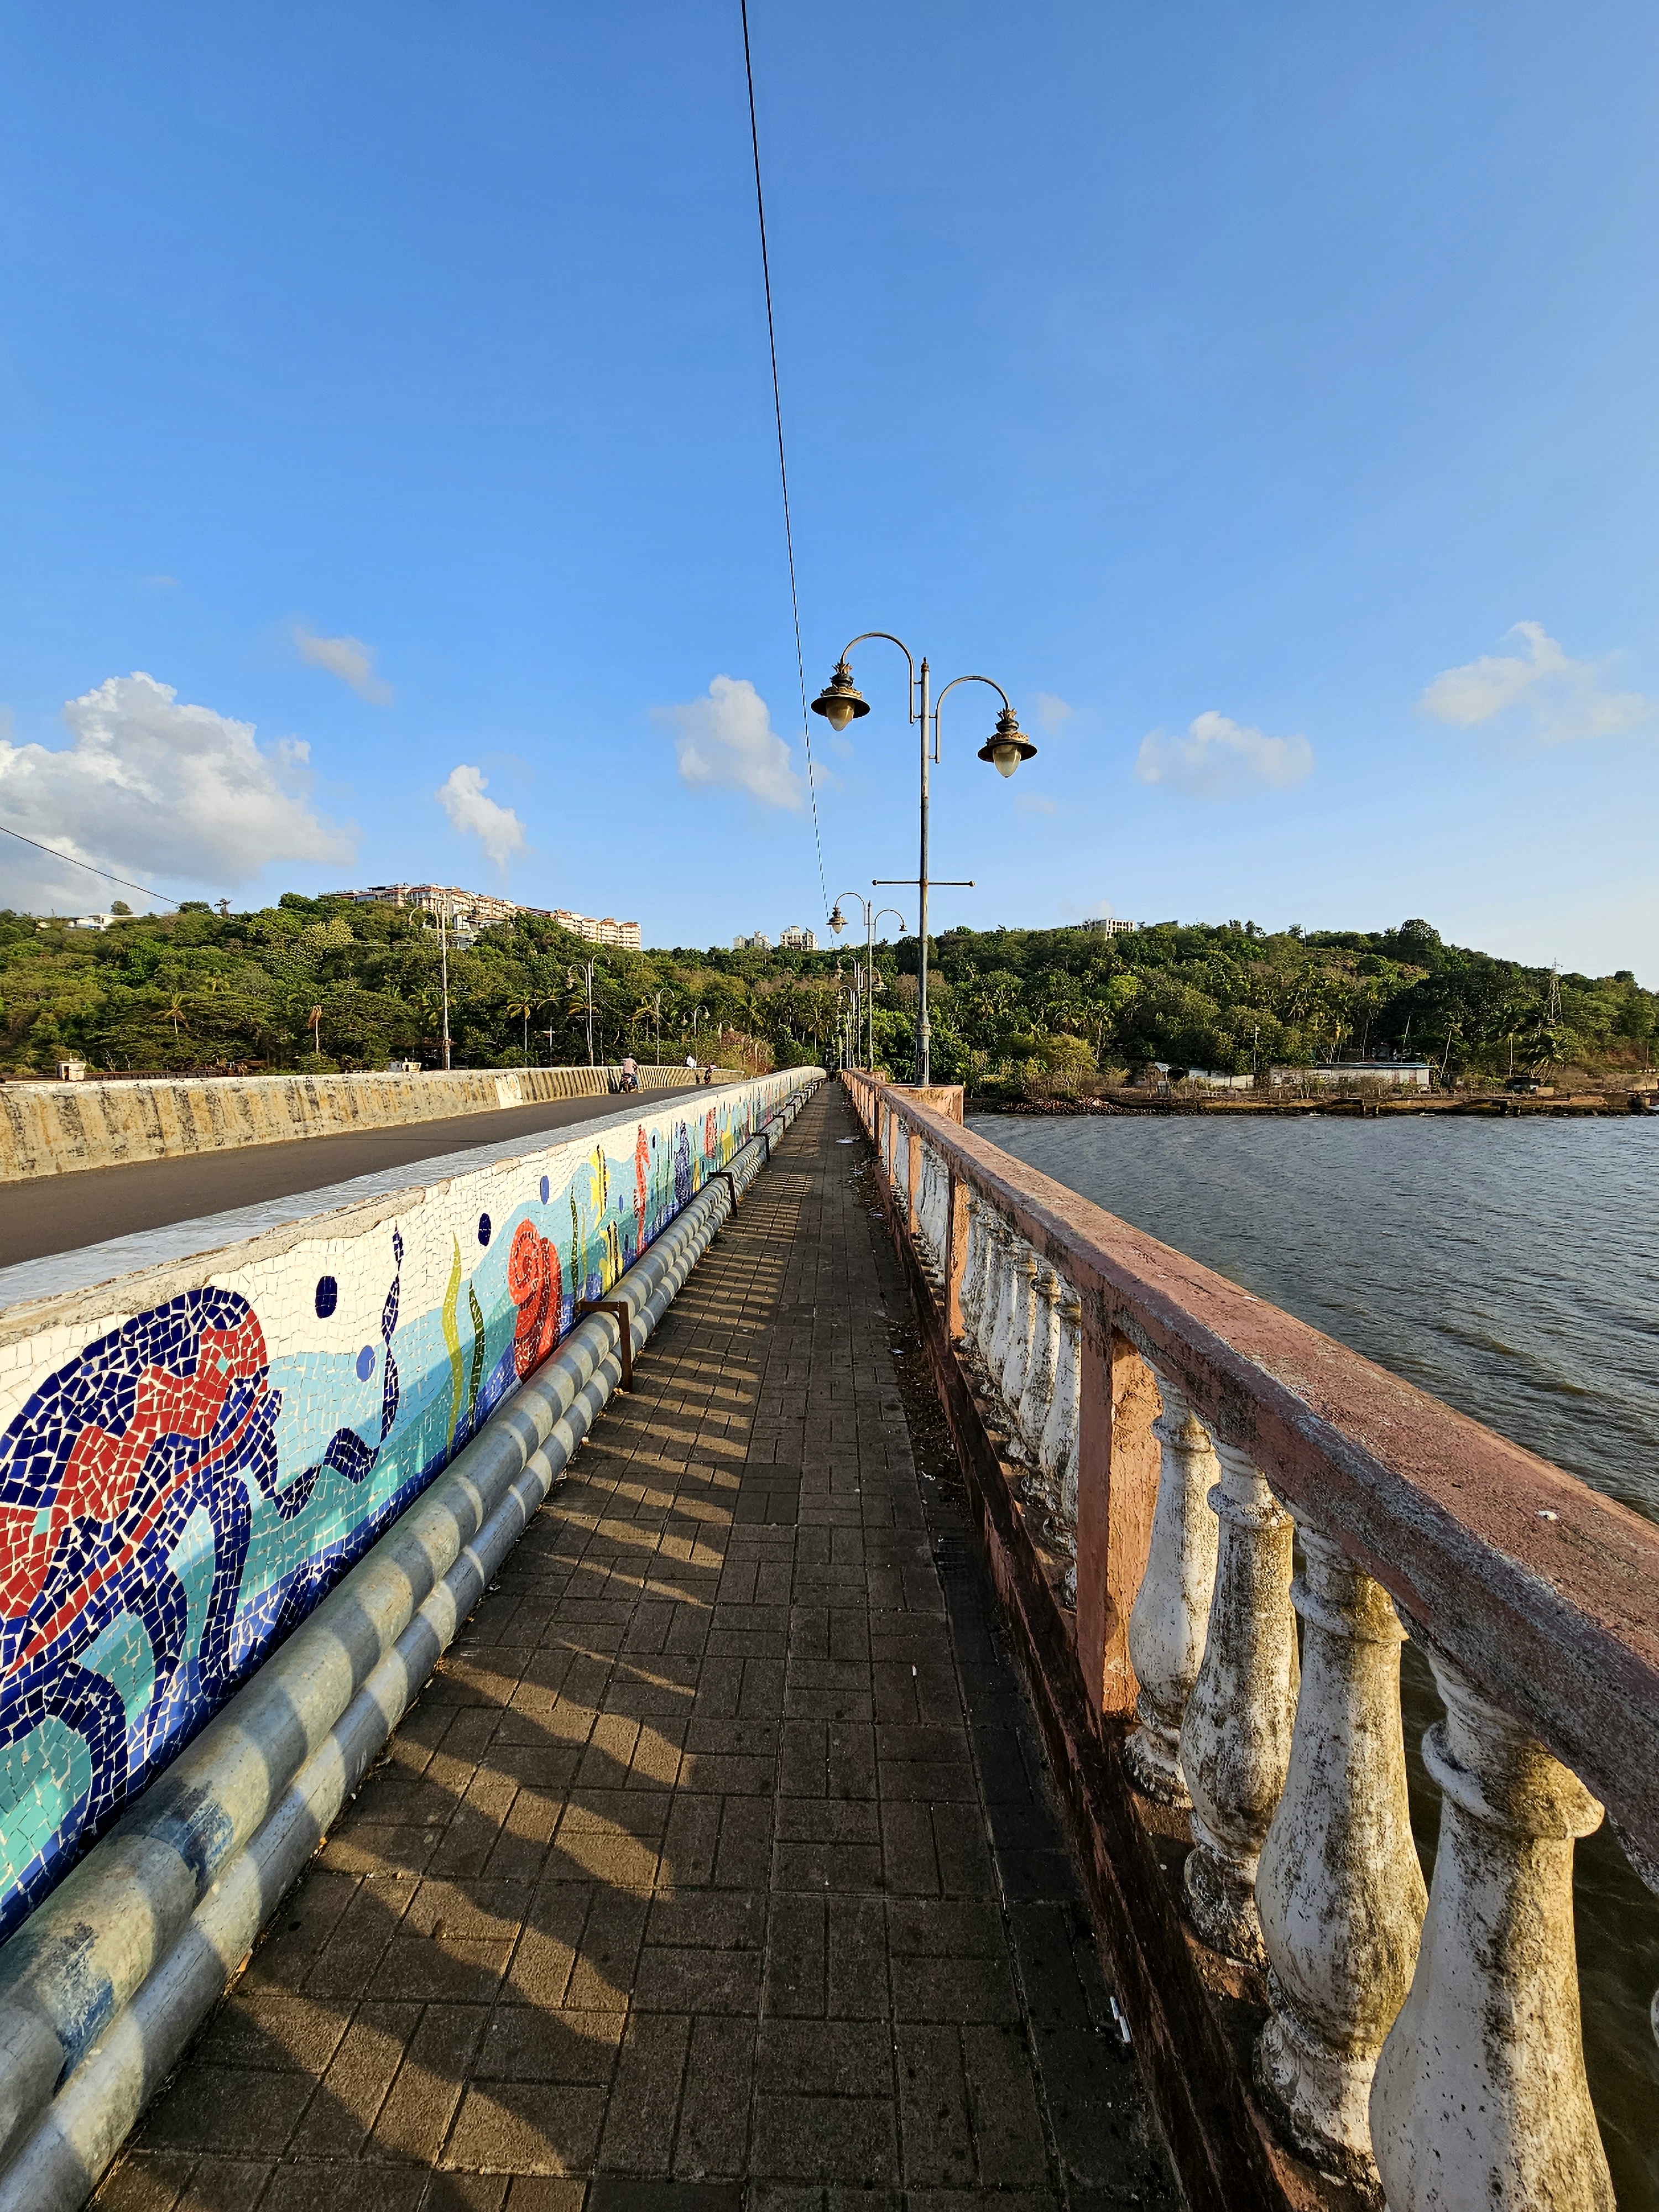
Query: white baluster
column 972, row 1290
column 1056, row 1452
column 977, row 1336
column 1032, row 1411
column 1171, row 1614
column 1481, row 2097
column 1021, row 1324
column 1339, row 1892
column 937, row 1192
column 925, row 1205
column 1235, row 1733
column 995, row 1346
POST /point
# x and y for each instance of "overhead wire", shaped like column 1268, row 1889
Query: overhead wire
column 74, row 860
column 783, row 467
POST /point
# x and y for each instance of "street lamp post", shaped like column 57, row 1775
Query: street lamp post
column 840, row 702
column 838, row 922
column 587, row 967
column 443, row 966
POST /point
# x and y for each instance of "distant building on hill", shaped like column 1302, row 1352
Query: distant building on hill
column 1107, row 925
column 792, row 939
column 473, row 910
column 606, row 931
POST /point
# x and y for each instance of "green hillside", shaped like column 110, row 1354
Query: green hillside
column 197, row 989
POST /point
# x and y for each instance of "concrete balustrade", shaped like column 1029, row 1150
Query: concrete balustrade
column 1432, row 2062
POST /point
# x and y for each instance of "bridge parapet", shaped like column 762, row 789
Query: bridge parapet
column 63, row 1128
column 202, row 1430
column 1149, row 1443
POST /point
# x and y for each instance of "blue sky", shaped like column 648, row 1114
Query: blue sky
column 1228, row 383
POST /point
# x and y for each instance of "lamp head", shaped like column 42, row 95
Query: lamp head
column 1007, row 744
column 838, row 920
column 840, row 702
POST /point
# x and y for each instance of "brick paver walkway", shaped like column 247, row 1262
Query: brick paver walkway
column 715, row 1868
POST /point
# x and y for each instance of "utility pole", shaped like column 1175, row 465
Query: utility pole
column 443, row 968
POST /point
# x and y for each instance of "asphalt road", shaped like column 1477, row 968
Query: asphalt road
column 60, row 1214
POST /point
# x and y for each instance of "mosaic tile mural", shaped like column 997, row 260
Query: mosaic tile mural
column 179, row 1491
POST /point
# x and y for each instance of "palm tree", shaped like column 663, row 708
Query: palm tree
column 175, row 1009
column 522, row 1007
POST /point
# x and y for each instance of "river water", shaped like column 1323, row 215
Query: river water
column 1512, row 1268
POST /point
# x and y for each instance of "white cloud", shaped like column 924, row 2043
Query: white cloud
column 726, row 741
column 348, row 659
column 1217, row 758
column 1098, row 910
column 1564, row 698
column 1033, row 802
column 1051, row 711
column 497, row 829
column 151, row 788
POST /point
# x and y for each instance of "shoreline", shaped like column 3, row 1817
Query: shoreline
column 1581, row 1107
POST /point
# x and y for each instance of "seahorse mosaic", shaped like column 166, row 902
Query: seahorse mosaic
column 178, row 1492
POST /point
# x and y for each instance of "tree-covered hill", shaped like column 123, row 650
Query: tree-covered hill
column 197, row 989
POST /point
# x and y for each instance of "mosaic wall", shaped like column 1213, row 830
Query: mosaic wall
column 178, row 1492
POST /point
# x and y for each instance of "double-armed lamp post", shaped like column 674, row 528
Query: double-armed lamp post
column 839, row 704
column 838, row 922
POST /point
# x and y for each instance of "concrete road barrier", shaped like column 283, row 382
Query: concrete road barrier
column 59, row 1129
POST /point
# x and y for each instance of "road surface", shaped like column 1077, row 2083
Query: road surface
column 60, row 1214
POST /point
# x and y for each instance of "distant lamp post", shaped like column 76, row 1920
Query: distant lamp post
column 872, row 917
column 841, row 702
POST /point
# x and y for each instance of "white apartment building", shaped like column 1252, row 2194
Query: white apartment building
column 477, row 909
column 758, row 941
column 606, row 930
column 1107, row 924
column 796, row 939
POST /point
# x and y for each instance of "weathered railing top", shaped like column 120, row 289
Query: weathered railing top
column 1545, row 1592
